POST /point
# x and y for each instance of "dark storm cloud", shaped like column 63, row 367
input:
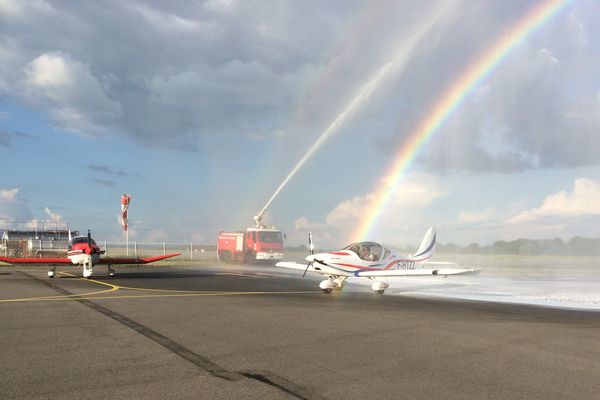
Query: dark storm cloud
column 539, row 108
column 108, row 170
column 156, row 71
column 180, row 75
column 104, row 182
column 7, row 137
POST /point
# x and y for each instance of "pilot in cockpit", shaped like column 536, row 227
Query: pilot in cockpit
column 366, row 254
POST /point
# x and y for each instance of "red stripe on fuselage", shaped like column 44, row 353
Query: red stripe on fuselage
column 356, row 266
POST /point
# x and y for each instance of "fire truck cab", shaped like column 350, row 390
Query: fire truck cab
column 255, row 244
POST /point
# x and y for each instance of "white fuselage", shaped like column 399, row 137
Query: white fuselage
column 81, row 258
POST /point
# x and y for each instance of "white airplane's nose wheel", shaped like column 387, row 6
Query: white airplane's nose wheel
column 379, row 287
column 328, row 285
column 111, row 272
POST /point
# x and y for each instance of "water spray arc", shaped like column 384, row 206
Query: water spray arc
column 397, row 63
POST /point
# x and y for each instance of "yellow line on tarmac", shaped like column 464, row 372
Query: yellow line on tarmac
column 147, row 289
column 205, row 294
column 114, row 288
column 160, row 290
column 141, row 296
column 61, row 297
column 117, row 287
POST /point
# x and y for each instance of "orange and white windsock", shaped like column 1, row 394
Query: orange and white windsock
column 125, row 199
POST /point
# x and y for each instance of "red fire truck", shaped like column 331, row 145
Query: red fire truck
column 255, row 244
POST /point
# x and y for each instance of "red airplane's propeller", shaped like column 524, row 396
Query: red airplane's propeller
column 89, row 242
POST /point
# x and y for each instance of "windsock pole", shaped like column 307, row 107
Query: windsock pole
column 125, row 200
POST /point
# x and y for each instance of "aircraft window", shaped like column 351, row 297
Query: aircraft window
column 376, row 252
column 368, row 251
column 81, row 239
column 386, row 253
column 355, row 247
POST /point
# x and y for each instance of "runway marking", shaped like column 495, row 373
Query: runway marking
column 187, row 354
column 163, row 293
column 113, row 288
column 144, row 296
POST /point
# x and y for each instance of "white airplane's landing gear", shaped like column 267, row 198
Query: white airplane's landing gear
column 328, row 285
column 379, row 287
column 51, row 272
column 340, row 281
column 111, row 272
column 87, row 267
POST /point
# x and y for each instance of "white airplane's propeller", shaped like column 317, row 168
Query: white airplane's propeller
column 311, row 250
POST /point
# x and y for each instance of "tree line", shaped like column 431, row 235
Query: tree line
column 577, row 246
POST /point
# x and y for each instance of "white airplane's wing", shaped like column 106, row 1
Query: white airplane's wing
column 322, row 269
column 415, row 272
column 293, row 265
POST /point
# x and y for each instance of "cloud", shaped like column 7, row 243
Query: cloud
column 403, row 217
column 13, row 208
column 170, row 73
column 477, row 217
column 16, row 213
column 583, row 200
column 108, row 170
column 9, row 195
column 52, row 216
column 74, row 98
column 536, row 109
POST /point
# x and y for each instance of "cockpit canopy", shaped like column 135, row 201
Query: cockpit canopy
column 369, row 251
column 81, row 239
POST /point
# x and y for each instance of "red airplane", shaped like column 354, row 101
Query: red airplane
column 83, row 251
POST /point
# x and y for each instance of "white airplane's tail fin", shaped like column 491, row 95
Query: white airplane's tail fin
column 427, row 247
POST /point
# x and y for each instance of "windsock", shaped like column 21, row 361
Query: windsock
column 125, row 199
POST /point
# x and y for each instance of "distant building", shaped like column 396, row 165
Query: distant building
column 34, row 242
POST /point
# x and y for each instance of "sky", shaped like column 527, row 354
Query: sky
column 200, row 110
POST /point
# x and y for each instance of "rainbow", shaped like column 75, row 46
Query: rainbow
column 449, row 102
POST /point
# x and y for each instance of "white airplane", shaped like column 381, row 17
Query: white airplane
column 372, row 260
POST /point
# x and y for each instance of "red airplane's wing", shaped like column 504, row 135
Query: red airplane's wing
column 144, row 260
column 39, row 260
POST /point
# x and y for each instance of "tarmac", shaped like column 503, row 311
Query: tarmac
column 256, row 332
